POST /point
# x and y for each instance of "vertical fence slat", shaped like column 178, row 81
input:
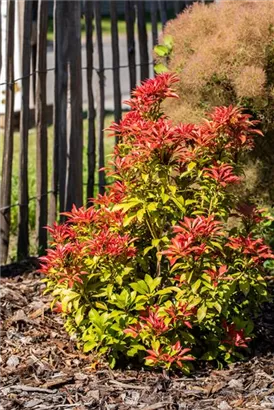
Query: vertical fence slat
column 91, row 154
column 23, row 217
column 0, row 38
column 100, row 94
column 74, row 182
column 178, row 6
column 115, row 62
column 163, row 12
column 154, row 21
column 59, row 111
column 34, row 47
column 142, row 35
column 5, row 199
column 130, row 20
column 41, row 124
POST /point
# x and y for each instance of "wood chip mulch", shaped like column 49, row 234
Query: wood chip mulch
column 42, row 370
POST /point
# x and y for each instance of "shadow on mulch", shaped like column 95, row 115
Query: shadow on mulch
column 12, row 270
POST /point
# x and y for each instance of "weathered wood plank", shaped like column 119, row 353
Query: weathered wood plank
column 115, row 62
column 163, row 12
column 0, row 39
column 59, row 111
column 130, row 21
column 41, row 126
column 100, row 94
column 154, row 21
column 74, row 181
column 23, row 216
column 179, row 6
column 142, row 35
column 91, row 154
column 5, row 198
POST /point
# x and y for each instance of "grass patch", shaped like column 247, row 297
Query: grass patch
column 106, row 27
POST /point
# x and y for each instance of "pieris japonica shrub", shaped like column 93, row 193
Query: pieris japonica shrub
column 167, row 266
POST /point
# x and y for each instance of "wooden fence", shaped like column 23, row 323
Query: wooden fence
column 66, row 180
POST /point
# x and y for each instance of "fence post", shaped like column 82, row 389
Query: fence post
column 59, row 111
column 0, row 39
column 74, row 182
column 163, row 12
column 5, row 200
column 142, row 35
column 100, row 94
column 130, row 20
column 91, row 154
column 179, row 6
column 115, row 63
column 154, row 21
column 23, row 220
column 41, row 125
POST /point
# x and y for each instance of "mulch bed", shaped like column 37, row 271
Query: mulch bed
column 42, row 370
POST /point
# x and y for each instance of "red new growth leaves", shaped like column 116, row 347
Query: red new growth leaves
column 153, row 269
column 251, row 247
column 191, row 237
column 174, row 355
column 222, row 174
column 235, row 337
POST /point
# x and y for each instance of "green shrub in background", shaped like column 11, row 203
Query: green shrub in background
column 155, row 272
column 224, row 54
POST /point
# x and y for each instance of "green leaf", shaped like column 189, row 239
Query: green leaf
column 217, row 245
column 90, row 345
column 79, row 315
column 140, row 214
column 140, row 287
column 160, row 68
column 245, row 287
column 155, row 242
column 191, row 165
column 134, row 350
column 165, row 197
column 147, row 249
column 161, row 50
column 179, row 204
column 152, row 206
column 168, row 41
column 101, row 305
column 69, row 296
column 218, row 307
column 112, row 362
column 128, row 220
column 196, row 286
column 152, row 283
column 189, row 202
column 210, row 355
column 173, row 189
column 145, row 177
column 125, row 206
column 201, row 313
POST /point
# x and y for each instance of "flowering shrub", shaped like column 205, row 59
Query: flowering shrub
column 223, row 54
column 166, row 267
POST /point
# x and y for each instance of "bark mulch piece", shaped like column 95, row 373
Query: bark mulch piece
column 42, row 370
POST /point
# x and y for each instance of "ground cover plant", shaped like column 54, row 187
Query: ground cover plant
column 167, row 267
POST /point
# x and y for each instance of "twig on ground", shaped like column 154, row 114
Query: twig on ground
column 129, row 386
column 24, row 387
